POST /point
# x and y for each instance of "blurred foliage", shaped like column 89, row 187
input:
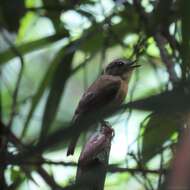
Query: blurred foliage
column 51, row 51
column 157, row 131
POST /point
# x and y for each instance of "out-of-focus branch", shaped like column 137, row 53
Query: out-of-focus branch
column 113, row 169
column 180, row 169
column 2, row 168
column 171, row 100
column 155, row 23
column 167, row 59
column 5, row 131
column 15, row 93
column 4, row 139
column 140, row 10
column 175, row 100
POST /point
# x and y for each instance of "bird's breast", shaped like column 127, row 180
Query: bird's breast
column 120, row 97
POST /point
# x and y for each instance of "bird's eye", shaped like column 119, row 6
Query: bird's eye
column 120, row 63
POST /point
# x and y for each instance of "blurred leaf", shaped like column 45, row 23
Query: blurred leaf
column 80, row 2
column 95, row 40
column 30, row 46
column 185, row 49
column 157, row 131
column 11, row 13
column 41, row 89
column 63, row 70
column 54, row 16
column 17, row 178
column 161, row 13
column 109, row 34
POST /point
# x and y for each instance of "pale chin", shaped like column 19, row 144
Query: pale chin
column 126, row 76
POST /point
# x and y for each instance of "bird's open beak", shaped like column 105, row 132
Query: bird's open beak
column 132, row 65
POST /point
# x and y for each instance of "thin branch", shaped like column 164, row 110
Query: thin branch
column 167, row 59
column 111, row 168
column 16, row 91
column 4, row 147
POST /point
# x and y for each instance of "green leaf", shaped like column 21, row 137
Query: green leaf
column 157, row 131
column 95, row 40
column 162, row 13
column 38, row 95
column 185, row 15
column 29, row 47
column 61, row 75
column 54, row 16
column 17, row 177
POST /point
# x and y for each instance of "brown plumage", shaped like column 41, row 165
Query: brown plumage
column 109, row 89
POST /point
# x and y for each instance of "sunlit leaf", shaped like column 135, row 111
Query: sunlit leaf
column 17, row 178
column 61, row 75
column 29, row 47
column 95, row 40
column 38, row 95
column 157, row 131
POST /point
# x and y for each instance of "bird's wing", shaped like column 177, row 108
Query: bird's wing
column 101, row 93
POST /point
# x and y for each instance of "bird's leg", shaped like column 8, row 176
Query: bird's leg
column 104, row 123
column 107, row 125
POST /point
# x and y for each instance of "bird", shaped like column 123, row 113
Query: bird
column 109, row 90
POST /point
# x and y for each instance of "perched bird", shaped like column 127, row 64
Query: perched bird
column 93, row 160
column 109, row 90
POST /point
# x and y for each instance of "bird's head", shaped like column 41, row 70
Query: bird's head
column 122, row 68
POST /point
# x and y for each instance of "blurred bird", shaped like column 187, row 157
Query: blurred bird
column 93, row 160
column 109, row 91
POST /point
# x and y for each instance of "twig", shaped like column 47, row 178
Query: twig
column 167, row 59
column 111, row 168
column 160, row 177
column 15, row 93
column 4, row 147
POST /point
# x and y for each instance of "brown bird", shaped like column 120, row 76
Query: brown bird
column 109, row 90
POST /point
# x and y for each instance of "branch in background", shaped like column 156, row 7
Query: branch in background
column 153, row 28
column 171, row 100
column 15, row 93
column 175, row 100
column 113, row 169
column 47, row 178
column 143, row 15
column 93, row 160
column 4, row 144
column 2, row 168
column 167, row 59
column 21, row 147
column 180, row 169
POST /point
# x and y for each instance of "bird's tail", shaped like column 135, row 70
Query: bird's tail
column 72, row 145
